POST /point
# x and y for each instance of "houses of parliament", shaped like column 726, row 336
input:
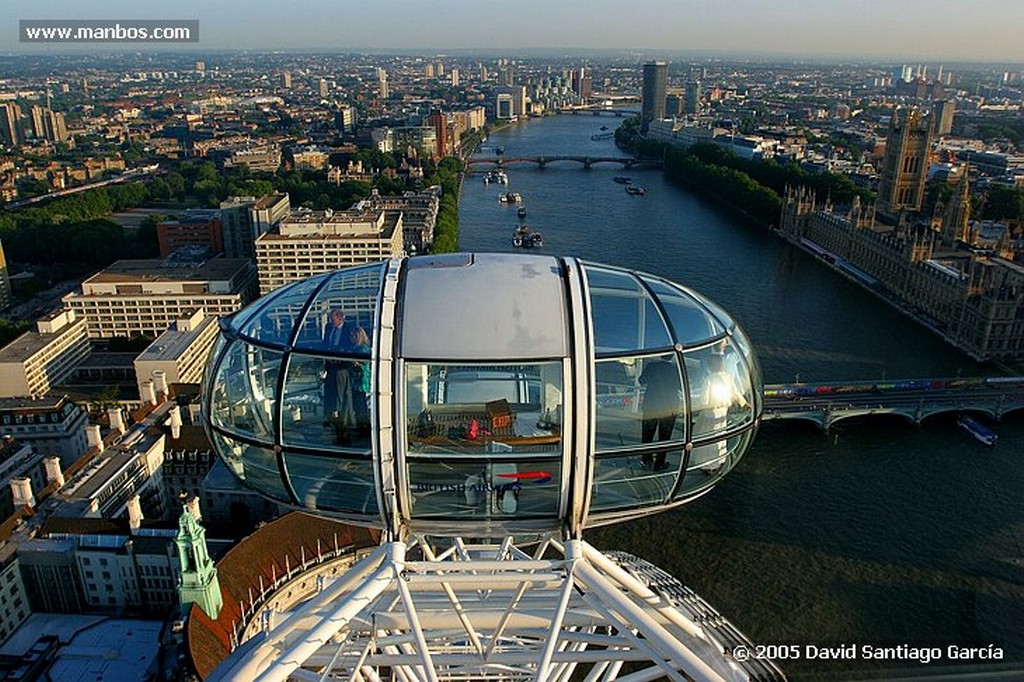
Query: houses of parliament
column 944, row 269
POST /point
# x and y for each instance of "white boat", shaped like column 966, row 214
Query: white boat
column 496, row 176
column 977, row 429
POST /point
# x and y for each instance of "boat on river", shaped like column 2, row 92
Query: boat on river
column 525, row 238
column 622, row 179
column 510, row 198
column 974, row 427
column 496, row 176
column 521, row 212
column 635, row 190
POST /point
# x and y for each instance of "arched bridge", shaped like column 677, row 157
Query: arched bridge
column 599, row 111
column 914, row 400
column 488, row 162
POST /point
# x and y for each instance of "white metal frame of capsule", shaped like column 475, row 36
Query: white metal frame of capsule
column 495, row 611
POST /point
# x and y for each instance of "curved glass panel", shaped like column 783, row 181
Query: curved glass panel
column 274, row 322
column 255, row 465
column 691, row 322
column 625, row 317
column 483, row 489
column 639, row 400
column 709, row 463
column 347, row 302
column 244, row 391
column 746, row 349
column 325, row 405
column 628, row 480
column 333, row 484
column 507, row 410
column 720, row 390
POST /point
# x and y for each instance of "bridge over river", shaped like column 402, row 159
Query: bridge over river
column 914, row 400
column 489, row 162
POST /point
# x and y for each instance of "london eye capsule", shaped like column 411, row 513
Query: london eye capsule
column 482, row 394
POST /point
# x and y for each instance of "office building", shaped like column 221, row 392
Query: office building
column 196, row 228
column 286, row 80
column 654, row 89
column 145, row 297
column 510, row 101
column 417, row 141
column 36, row 361
column 322, row 88
column 245, row 218
column 311, row 242
column 178, row 355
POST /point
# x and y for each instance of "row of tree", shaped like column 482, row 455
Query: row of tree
column 446, row 231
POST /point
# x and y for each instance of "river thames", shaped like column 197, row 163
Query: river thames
column 879, row 533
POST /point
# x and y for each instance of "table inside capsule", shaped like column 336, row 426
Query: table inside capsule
column 484, row 427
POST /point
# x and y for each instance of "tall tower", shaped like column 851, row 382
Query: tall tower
column 10, row 123
column 942, row 117
column 286, row 80
column 199, row 582
column 438, row 120
column 654, row 91
column 693, row 97
column 956, row 219
column 901, row 186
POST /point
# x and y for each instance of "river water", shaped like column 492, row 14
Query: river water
column 878, row 533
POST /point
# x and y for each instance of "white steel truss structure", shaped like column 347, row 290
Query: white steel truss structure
column 564, row 612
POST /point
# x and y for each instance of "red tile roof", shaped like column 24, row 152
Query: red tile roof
column 263, row 554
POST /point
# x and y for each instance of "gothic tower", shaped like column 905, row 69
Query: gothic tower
column 905, row 167
column 955, row 219
column 199, row 582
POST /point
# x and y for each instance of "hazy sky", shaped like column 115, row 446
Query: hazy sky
column 963, row 30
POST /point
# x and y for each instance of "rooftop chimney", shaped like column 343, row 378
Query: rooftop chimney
column 21, row 492
column 175, row 422
column 116, row 420
column 147, row 392
column 134, row 512
column 160, row 383
column 53, row 471
column 93, row 437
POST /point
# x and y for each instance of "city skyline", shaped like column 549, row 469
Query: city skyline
column 871, row 30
